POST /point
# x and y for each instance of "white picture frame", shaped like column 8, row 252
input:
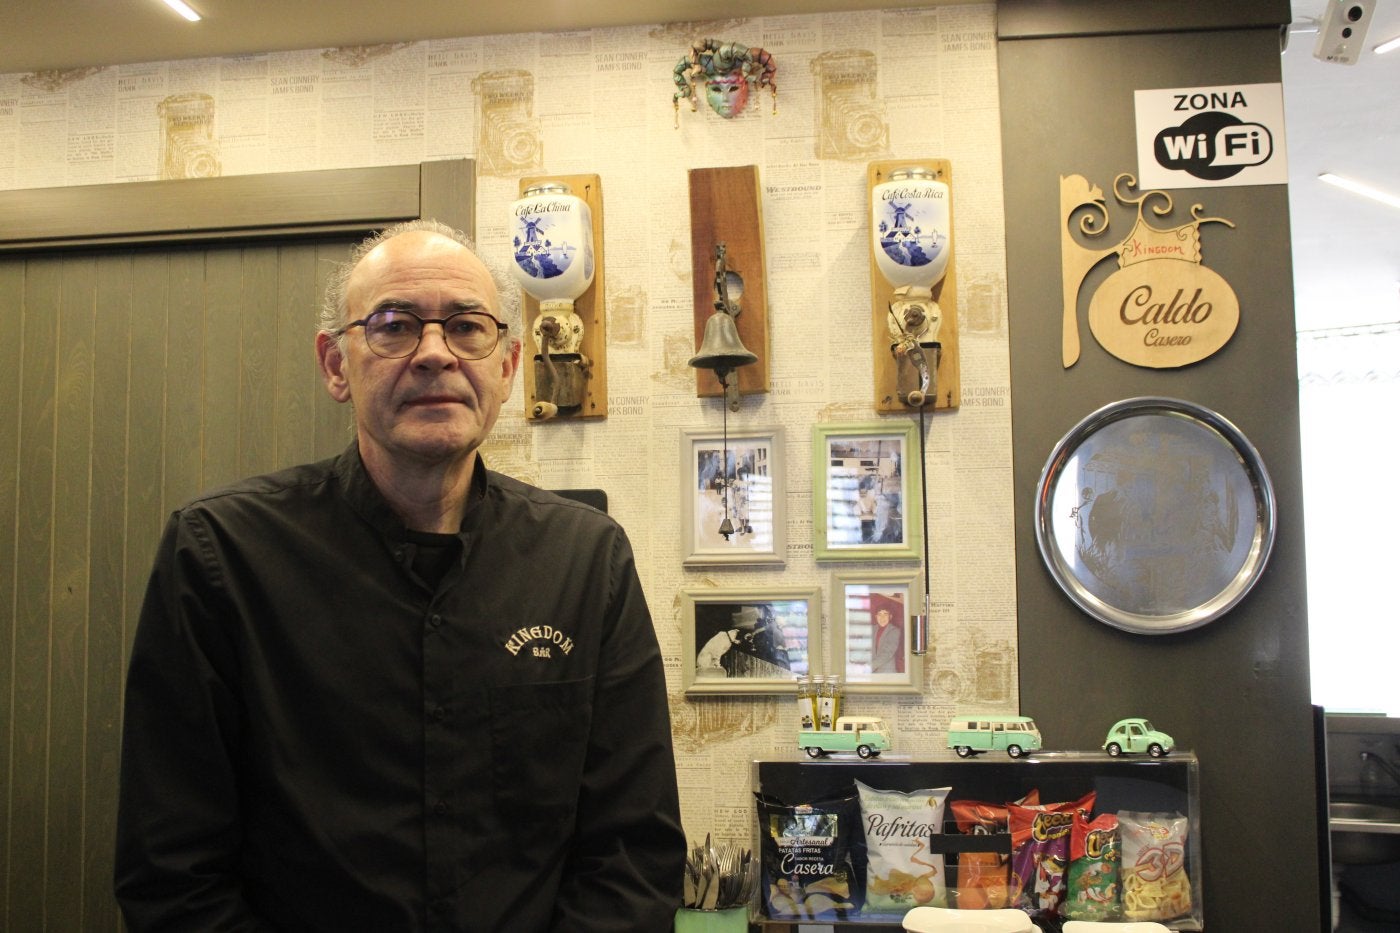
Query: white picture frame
column 872, row 615
column 749, row 641
column 753, row 479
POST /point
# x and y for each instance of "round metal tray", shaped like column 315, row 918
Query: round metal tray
column 1155, row 515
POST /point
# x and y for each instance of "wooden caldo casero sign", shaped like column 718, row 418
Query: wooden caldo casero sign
column 1163, row 313
column 1162, row 307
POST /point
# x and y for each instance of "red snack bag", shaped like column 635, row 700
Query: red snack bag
column 1040, row 853
column 982, row 876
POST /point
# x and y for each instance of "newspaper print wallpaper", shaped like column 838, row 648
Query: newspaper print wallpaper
column 851, row 88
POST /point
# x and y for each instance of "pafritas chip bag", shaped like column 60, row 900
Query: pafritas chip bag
column 1040, row 853
column 901, row 873
column 1091, row 888
column 1155, row 883
column 808, row 872
column 983, row 876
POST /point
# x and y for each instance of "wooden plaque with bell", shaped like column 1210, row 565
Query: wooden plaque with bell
column 725, row 209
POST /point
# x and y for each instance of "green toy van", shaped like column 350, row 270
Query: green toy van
column 971, row 735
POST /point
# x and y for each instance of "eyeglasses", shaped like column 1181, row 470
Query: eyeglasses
column 394, row 333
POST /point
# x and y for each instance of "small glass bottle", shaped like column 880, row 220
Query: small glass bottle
column 806, row 703
column 826, row 702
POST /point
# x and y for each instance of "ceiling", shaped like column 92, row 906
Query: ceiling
column 58, row 34
column 1343, row 119
column 1340, row 118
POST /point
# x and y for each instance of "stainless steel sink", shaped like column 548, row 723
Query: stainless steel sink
column 1364, row 833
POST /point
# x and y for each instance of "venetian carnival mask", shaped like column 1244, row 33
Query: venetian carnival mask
column 729, row 71
column 727, row 94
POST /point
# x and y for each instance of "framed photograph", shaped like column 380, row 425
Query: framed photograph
column 749, row 641
column 1155, row 515
column 866, row 491
column 747, row 486
column 870, row 635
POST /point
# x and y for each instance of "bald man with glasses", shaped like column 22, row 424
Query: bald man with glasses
column 395, row 690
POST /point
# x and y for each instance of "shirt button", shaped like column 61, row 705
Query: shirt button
column 440, row 807
column 439, row 713
column 435, row 620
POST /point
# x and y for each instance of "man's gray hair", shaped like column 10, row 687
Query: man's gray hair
column 335, row 311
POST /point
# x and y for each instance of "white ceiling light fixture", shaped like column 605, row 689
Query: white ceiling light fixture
column 179, row 6
column 1356, row 187
column 1389, row 45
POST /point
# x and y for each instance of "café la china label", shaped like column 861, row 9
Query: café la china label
column 1162, row 308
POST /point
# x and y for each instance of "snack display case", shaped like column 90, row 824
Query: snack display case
column 826, row 856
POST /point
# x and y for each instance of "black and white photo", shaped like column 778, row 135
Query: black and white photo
column 749, row 641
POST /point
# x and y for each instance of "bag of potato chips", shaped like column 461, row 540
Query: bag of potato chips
column 901, row 873
column 807, row 867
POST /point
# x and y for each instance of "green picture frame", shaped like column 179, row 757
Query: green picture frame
column 867, row 491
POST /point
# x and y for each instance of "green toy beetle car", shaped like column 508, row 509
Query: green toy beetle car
column 1137, row 736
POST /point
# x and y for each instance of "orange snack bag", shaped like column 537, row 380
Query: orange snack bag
column 982, row 876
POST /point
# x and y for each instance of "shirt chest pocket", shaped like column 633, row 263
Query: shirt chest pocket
column 539, row 740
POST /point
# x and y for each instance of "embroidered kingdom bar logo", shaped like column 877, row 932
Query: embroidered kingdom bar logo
column 541, row 640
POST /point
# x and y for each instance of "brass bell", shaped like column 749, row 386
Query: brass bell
column 721, row 349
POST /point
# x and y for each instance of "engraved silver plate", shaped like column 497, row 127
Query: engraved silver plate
column 1155, row 515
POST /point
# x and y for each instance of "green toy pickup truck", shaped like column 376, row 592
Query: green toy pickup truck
column 867, row 736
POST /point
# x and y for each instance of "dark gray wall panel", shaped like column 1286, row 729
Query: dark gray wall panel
column 1236, row 691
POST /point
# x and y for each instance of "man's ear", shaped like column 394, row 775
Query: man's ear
column 332, row 364
column 509, row 364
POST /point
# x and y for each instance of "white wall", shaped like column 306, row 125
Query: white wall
column 600, row 101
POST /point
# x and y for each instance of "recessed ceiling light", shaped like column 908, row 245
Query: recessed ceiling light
column 1356, row 187
column 179, row 6
column 1389, row 45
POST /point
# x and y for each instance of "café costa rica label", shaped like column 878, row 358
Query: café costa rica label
column 1162, row 308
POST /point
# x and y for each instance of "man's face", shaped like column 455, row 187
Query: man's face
column 428, row 407
column 882, row 618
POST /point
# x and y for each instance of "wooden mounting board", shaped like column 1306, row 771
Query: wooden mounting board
column 589, row 307
column 945, row 293
column 726, row 206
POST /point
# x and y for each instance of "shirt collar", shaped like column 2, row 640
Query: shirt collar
column 366, row 499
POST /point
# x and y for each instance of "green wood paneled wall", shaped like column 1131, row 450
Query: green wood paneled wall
column 129, row 382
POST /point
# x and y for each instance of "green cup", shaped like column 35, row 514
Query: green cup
column 733, row 920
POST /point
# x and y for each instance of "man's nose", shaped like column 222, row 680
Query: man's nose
column 432, row 347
